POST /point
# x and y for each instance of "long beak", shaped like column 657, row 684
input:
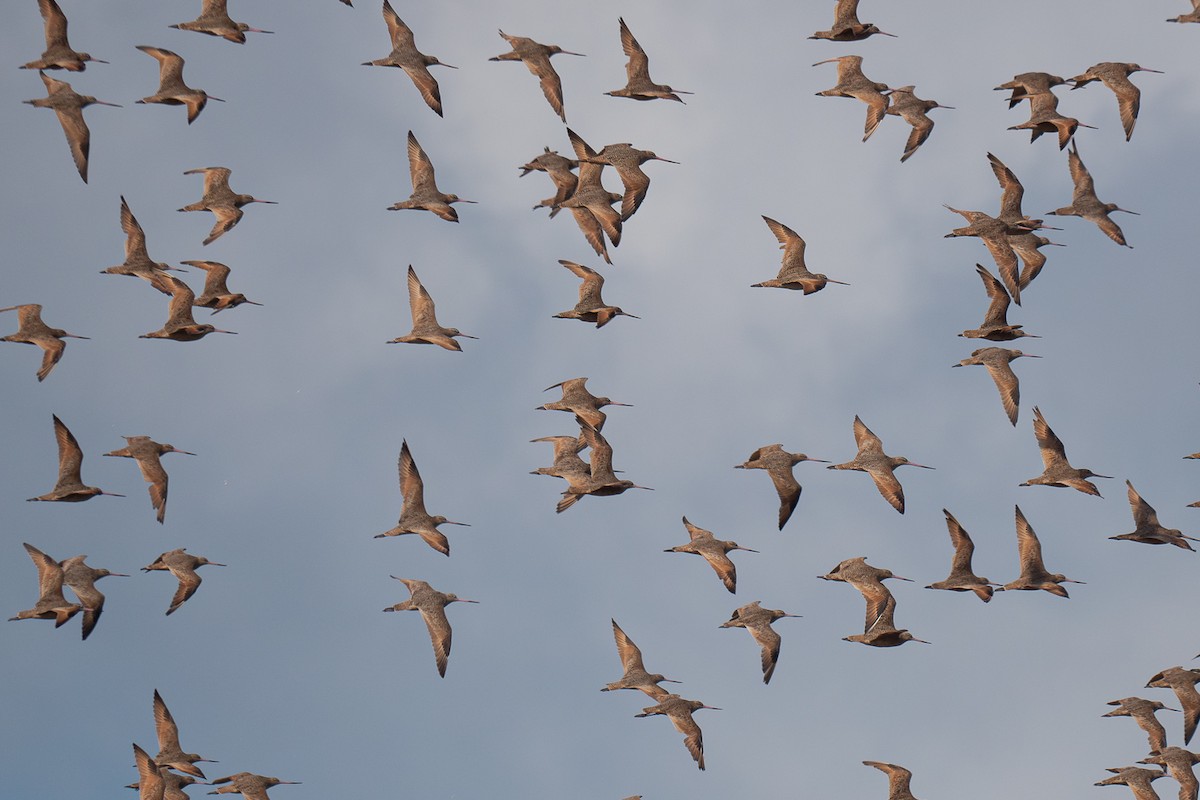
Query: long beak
column 184, row 452
column 839, row 283
column 659, row 158
column 219, row 100
column 1068, row 580
column 922, row 466
column 713, row 708
column 75, row 336
column 1160, row 72
column 819, row 460
column 272, row 202
column 468, row 336
column 747, row 549
column 569, row 53
column 1127, row 211
column 257, row 30
column 897, row 577
column 119, row 575
column 98, row 61
column 112, row 494
column 627, row 405
column 460, row 200
column 826, row 61
column 1030, row 355
column 464, row 524
column 102, row 103
column 218, row 330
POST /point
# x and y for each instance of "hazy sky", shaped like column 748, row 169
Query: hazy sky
column 282, row 663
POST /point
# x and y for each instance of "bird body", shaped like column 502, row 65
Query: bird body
column 69, row 105
column 58, row 53
column 32, row 330
column 853, row 83
column 715, row 551
column 249, row 785
column 793, row 272
column 51, row 603
column 995, row 325
column 1085, row 203
column 591, row 306
column 779, row 463
column 635, row 675
column 172, row 91
column 962, row 577
column 214, row 20
column 413, row 516
column 432, row 605
column 638, row 84
column 536, row 57
column 846, row 27
column 881, row 467
column 216, row 294
column 183, row 566
column 680, row 711
column 1115, row 75
column 756, row 619
column 223, row 202
column 425, row 195
column 181, row 325
column 1142, row 711
column 81, row 578
column 147, row 453
column 1058, row 471
column 1033, row 571
column 904, row 103
column 998, row 361
column 70, row 487
column 407, row 57
column 425, row 329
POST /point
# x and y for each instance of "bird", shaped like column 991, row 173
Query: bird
column 680, row 711
column 1058, row 471
column 779, row 463
column 1044, row 118
column 638, row 84
column 566, row 457
column 1148, row 530
column 1191, row 16
column 1085, row 203
column 879, row 628
column 181, row 326
column 856, row 571
column 214, row 20
column 627, row 160
column 1142, row 712
column 432, row 605
column 1136, row 778
column 137, row 259
column 151, row 785
column 898, row 779
column 1115, row 75
column 998, row 362
column 537, row 58
column 904, row 103
column 407, row 57
column 1183, row 683
column 173, row 784
column 793, row 273
column 172, row 90
column 591, row 306
column 425, row 195
column 962, row 577
column 846, row 27
column 183, row 566
column 216, row 293
column 224, row 203
column 69, row 105
column 1179, row 763
column 249, row 785
column 560, row 169
column 600, row 480
column 70, row 487
column 756, row 619
column 58, row 53
column 413, row 516
column 577, row 400
column 715, row 551
column 51, row 603
column 995, row 325
column 1033, row 571
column 1029, row 83
column 853, row 83
column 147, row 453
column 591, row 203
column 1026, row 244
column 635, row 675
column 879, row 465
column 32, row 330
column 425, row 329
column 170, row 754
column 995, row 234
column 81, row 578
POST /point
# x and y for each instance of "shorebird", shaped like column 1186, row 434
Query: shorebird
column 432, row 605
column 879, row 465
column 1029, row 83
column 1191, row 16
column 846, row 27
column 962, row 577
column 181, row 326
column 998, row 362
column 591, row 203
column 1084, row 202
column 170, row 754
column 1025, row 245
column 1142, row 712
column 137, row 260
column 425, row 329
column 224, row 203
column 852, row 83
column 251, row 786
column 995, row 234
column 1044, row 118
column 680, row 711
column 1115, row 75
column 413, row 516
column 214, row 20
column 172, row 91
column 69, row 488
column 1058, row 471
column 173, row 784
column 1135, row 778
column 566, row 457
column 1183, row 683
column 407, row 57
column 51, row 604
column 638, row 84
column 879, row 628
column 580, row 402
column 995, row 325
column 147, row 453
column 591, row 306
column 559, row 168
column 1033, row 571
column 1179, row 763
column 58, row 53
column 1148, row 530
column 793, row 273
column 627, row 160
column 183, row 566
column 82, row 580
column 151, row 785
column 905, row 104
column 216, row 293
column 69, row 105
column 425, row 195
column 537, row 58
column 714, row 550
column 636, row 676
column 779, row 463
column 898, row 779
column 756, row 619
column 600, row 479
column 856, row 571
column 32, row 330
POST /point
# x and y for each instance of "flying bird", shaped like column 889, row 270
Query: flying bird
column 638, row 84
column 591, row 306
column 1183, row 683
column 904, row 103
column 58, row 53
column 170, row 754
column 81, row 578
column 147, row 453
column 249, row 785
column 995, row 325
column 846, row 27
column 425, row 329
column 1179, row 763
column 600, row 480
column 432, row 605
column 183, row 566
column 51, row 603
column 998, row 361
column 627, row 160
column 577, row 400
column 1085, row 203
column 962, row 577
column 1148, row 530
column 1026, row 245
column 223, row 202
column 995, row 234
column 137, row 259
column 32, row 330
column 779, row 463
column 680, row 711
column 898, row 779
column 1026, row 84
column 1044, row 118
column 172, row 91
column 150, row 784
column 1058, row 471
column 407, row 57
column 537, row 58
column 69, row 105
column 181, row 326
column 560, row 169
column 70, row 487
column 853, row 83
column 1142, row 712
column 635, row 675
column 214, row 20
column 425, row 195
column 1033, row 571
column 1115, row 75
column 756, row 619
column 413, row 516
column 1136, row 778
column 591, row 203
column 216, row 293
column 878, row 464
column 715, row 551
column 793, row 272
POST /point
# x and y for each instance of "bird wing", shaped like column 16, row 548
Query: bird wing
column 769, row 641
column 1084, row 186
column 189, row 582
column 922, row 126
column 1012, row 190
column 1009, row 387
column 631, row 655
column 1029, row 548
column 78, row 137
column 227, row 217
column 865, row 439
column 1143, row 512
column 420, row 302
column 439, row 634
column 964, row 548
column 50, row 574
column 997, row 312
column 179, row 311
column 592, row 231
column 412, row 488
column 135, row 237
column 592, row 283
column 789, row 492
column 52, row 351
column 154, row 474
column 1054, row 453
column 426, row 84
column 551, row 84
column 401, row 34
column 637, row 183
column 164, row 725
column 1006, row 262
column 638, row 67
column 881, row 605
column 888, row 486
column 150, row 780
column 724, row 568
column 70, row 456
column 419, row 166
column 55, row 22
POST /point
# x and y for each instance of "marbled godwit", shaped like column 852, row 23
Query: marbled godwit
column 591, row 306
column 714, row 550
column 1033, row 571
column 852, row 83
column 636, row 676
column 580, row 402
column 846, row 27
column 82, row 580
column 995, row 233
column 680, row 711
column 1179, row 763
column 1115, row 75
column 559, row 168
column 1058, row 471
column 566, row 457
column 183, row 566
column 425, row 195
column 1192, row 16
column 151, row 785
column 1135, row 778
column 962, row 577
column 224, row 203
column 1084, row 202
column 1183, row 683
column 995, row 325
column 425, row 329
column 1029, row 83
column 1148, row 530
column 898, row 779
column 181, row 326
column 779, row 463
column 1142, row 712
column 905, row 104
column 407, row 57
column 173, row 784
column 147, row 453
column 1044, row 118
column 251, row 786
column 600, row 479
column 879, row 628
column 855, row 571
column 756, row 619
column 216, row 293
column 879, row 465
column 413, row 516
column 214, row 20
column 638, row 85
column 537, row 58
column 51, row 604
column 1026, row 244
column 69, row 105
column 591, row 203
column 170, row 754
column 793, row 273
column 32, row 330
column 58, row 53
column 432, row 605
column 998, row 362
column 627, row 160
column 172, row 91
column 69, row 488
column 137, row 259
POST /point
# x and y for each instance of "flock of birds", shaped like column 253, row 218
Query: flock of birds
column 1010, row 236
